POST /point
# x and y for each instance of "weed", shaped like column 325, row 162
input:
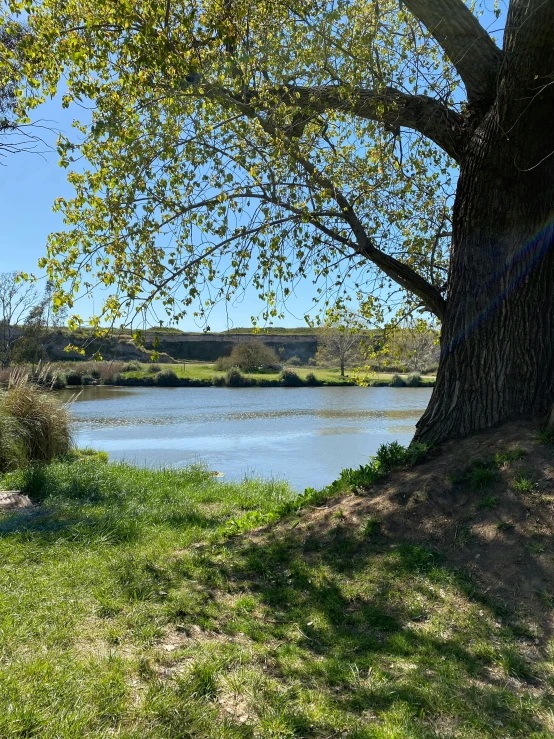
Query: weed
column 483, row 477
column 371, row 527
column 524, row 485
column 490, row 501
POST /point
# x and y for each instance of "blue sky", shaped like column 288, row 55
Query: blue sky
column 29, row 184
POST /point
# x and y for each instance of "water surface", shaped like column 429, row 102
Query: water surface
column 304, row 435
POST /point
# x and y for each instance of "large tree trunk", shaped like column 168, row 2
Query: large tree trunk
column 497, row 346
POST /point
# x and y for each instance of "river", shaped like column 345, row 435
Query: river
column 303, row 435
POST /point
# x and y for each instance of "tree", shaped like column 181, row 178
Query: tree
column 251, row 355
column 37, row 335
column 16, row 298
column 412, row 346
column 234, row 140
column 339, row 343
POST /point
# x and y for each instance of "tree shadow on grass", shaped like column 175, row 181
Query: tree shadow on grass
column 374, row 626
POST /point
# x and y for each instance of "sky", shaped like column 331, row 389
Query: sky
column 29, row 184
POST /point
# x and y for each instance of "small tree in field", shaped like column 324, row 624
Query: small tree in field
column 376, row 146
column 16, row 298
column 339, row 345
column 253, row 355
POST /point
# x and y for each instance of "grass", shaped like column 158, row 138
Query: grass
column 206, row 373
column 125, row 614
column 34, row 426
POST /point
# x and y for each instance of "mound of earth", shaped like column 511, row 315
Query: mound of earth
column 486, row 503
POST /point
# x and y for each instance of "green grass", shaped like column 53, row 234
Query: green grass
column 199, row 371
column 123, row 614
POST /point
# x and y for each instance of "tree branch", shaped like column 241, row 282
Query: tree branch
column 390, row 106
column 401, row 273
column 466, row 43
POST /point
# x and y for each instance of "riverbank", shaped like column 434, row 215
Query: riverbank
column 127, row 610
column 135, row 374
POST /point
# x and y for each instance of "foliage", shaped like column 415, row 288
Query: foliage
column 131, row 367
column 289, row 378
column 37, row 335
column 253, row 355
column 166, row 378
column 389, row 457
column 234, row 378
column 413, row 380
column 340, row 344
column 311, row 379
column 260, row 164
column 16, row 298
column 397, row 381
column 294, row 362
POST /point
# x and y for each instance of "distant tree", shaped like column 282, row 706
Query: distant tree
column 251, row 355
column 16, row 298
column 339, row 344
column 414, row 347
column 37, row 334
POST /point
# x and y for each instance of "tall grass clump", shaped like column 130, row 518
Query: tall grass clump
column 36, row 422
column 397, row 381
column 12, row 451
column 289, row 378
column 414, row 380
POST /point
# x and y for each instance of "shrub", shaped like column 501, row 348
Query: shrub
column 88, row 380
column 234, row 378
column 73, row 377
column 131, row 367
column 223, row 364
column 311, row 379
column 252, row 355
column 153, row 368
column 294, row 362
column 397, row 381
column 43, row 423
column 218, row 381
column 166, row 378
column 414, row 380
column 59, row 381
column 289, row 378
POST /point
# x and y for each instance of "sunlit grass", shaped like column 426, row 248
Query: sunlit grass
column 123, row 616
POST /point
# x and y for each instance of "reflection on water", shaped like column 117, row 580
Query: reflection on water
column 306, row 435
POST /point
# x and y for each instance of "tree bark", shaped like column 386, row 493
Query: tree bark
column 497, row 346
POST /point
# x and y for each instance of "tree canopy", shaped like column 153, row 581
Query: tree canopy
column 236, row 142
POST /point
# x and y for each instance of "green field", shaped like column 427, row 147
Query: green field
column 200, row 371
column 124, row 613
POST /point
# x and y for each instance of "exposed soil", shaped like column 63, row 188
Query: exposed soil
column 13, row 500
column 502, row 535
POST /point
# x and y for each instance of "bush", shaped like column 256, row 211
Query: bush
column 294, row 362
column 153, row 368
column 42, row 422
column 73, row 378
column 397, row 381
column 223, row 364
column 166, row 378
column 252, row 355
column 414, row 380
column 88, row 380
column 234, row 378
column 218, row 381
column 131, row 367
column 289, row 378
column 59, row 381
column 311, row 379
